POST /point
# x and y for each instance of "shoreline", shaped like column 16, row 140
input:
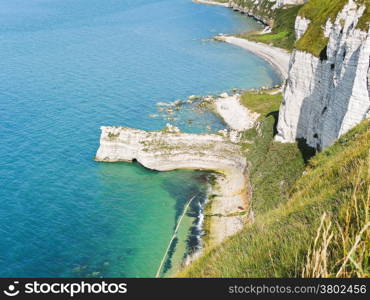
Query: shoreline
column 277, row 57
column 234, row 114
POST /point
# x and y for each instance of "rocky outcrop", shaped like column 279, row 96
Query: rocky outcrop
column 326, row 96
column 277, row 57
column 170, row 149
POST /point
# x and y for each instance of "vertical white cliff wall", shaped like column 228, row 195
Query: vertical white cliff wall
column 324, row 98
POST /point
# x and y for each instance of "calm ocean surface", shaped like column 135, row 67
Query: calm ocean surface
column 70, row 66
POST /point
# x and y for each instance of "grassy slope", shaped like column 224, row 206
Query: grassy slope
column 282, row 34
column 289, row 205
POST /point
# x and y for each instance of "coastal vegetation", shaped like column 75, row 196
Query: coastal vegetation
column 263, row 10
column 311, row 212
column 318, row 12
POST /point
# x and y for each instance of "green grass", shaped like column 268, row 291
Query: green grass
column 289, row 199
column 273, row 36
column 282, row 34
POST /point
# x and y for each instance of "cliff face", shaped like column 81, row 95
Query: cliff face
column 326, row 96
column 171, row 149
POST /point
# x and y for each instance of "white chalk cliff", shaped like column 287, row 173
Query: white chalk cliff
column 325, row 97
column 169, row 149
column 300, row 26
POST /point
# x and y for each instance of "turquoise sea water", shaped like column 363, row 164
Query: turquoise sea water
column 70, row 66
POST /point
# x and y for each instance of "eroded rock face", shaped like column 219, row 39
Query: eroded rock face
column 326, row 97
